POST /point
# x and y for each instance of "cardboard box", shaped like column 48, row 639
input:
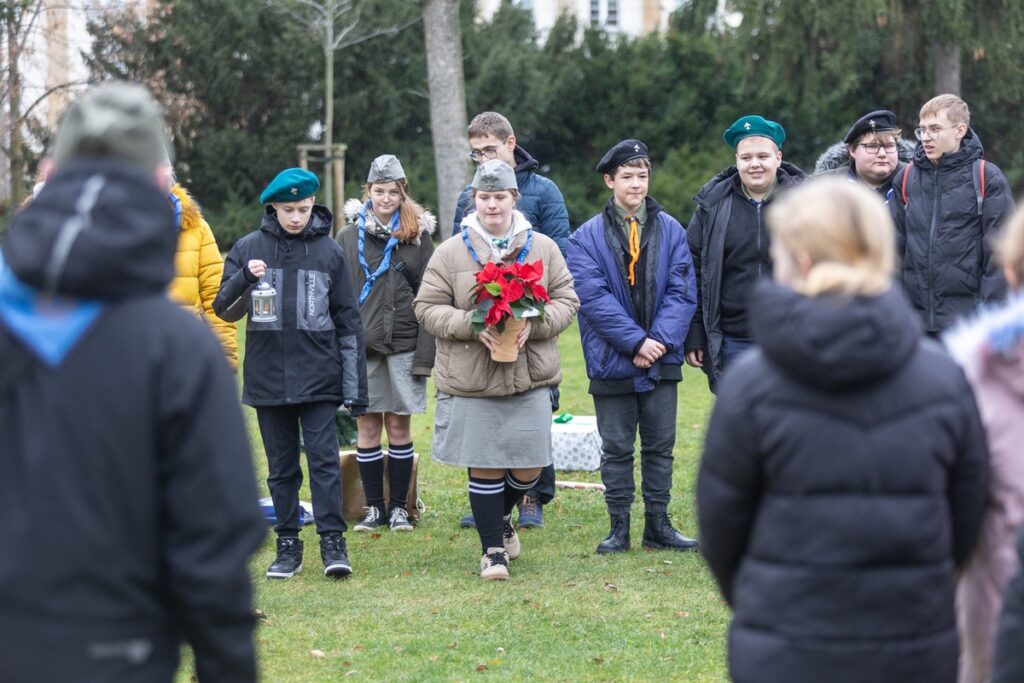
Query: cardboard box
column 354, row 498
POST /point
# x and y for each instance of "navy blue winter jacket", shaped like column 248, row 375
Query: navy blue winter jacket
column 540, row 201
column 609, row 327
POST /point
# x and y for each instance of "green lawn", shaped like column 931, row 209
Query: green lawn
column 415, row 608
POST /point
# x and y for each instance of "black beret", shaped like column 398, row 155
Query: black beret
column 627, row 150
column 875, row 122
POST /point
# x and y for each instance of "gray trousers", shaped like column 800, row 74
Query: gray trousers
column 619, row 417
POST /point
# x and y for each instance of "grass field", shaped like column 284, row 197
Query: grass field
column 415, row 608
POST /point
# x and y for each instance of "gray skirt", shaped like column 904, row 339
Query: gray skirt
column 499, row 432
column 392, row 386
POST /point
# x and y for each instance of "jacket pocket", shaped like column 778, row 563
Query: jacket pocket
column 463, row 366
column 542, row 359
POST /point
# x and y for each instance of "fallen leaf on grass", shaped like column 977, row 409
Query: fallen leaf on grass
column 682, row 614
column 353, row 671
column 433, row 658
column 667, row 561
column 452, row 645
column 346, row 663
column 610, row 587
column 260, row 614
column 357, row 648
column 375, row 535
column 495, row 662
column 319, row 654
column 481, row 667
column 598, row 660
column 406, row 573
column 662, row 634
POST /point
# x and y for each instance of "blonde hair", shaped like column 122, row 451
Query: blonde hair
column 409, row 214
column 955, row 108
column 1009, row 246
column 845, row 231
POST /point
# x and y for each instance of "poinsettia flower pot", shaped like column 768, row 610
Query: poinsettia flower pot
column 507, row 351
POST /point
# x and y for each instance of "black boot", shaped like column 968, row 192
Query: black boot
column 658, row 533
column 618, row 537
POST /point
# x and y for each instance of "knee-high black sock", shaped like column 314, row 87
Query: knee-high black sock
column 371, row 471
column 486, row 498
column 399, row 474
column 515, row 490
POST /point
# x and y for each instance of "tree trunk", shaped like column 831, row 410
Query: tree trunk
column 17, row 156
column 447, row 105
column 945, row 68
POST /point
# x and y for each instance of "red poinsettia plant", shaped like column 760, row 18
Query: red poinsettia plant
column 508, row 291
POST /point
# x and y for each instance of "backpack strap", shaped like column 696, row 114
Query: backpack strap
column 903, row 183
column 979, row 183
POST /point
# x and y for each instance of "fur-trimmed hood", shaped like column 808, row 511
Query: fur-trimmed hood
column 427, row 222
column 191, row 215
column 838, row 155
column 991, row 344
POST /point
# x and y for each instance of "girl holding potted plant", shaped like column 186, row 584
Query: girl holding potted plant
column 387, row 244
column 498, row 287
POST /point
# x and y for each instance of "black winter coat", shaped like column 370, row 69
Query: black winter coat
column 389, row 323
column 127, row 495
column 1008, row 666
column 707, row 235
column 314, row 350
column 842, row 483
column 942, row 241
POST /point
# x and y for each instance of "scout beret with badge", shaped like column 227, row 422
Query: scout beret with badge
column 385, row 169
column 624, row 151
column 493, row 176
column 290, row 185
column 875, row 122
column 751, row 126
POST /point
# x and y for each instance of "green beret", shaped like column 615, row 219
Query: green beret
column 749, row 126
column 494, row 175
column 385, row 169
column 290, row 185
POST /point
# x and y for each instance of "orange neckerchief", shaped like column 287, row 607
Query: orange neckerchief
column 634, row 247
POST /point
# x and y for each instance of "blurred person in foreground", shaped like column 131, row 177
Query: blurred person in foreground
column 990, row 348
column 843, row 479
column 127, row 498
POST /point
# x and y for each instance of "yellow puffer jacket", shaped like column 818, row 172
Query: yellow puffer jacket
column 198, row 268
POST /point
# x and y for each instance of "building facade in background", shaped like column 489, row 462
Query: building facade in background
column 628, row 17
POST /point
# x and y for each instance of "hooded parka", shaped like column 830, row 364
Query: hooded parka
column 842, row 485
column 314, row 350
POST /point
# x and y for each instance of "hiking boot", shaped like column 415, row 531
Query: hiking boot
column 399, row 520
column 659, row 533
column 530, row 514
column 373, row 520
column 335, row 556
column 511, row 539
column 468, row 522
column 288, row 562
column 494, row 565
column 618, row 538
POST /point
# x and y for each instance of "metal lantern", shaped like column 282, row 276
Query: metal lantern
column 264, row 303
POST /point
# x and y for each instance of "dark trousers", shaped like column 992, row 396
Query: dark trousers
column 733, row 348
column 619, row 417
column 545, row 486
column 279, row 427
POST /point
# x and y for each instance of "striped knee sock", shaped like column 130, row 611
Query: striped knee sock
column 486, row 497
column 399, row 473
column 515, row 490
column 371, row 471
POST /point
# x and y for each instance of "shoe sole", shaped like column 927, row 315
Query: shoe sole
column 530, row 525
column 360, row 527
column 661, row 546
column 467, row 525
column 337, row 571
column 408, row 527
column 609, row 551
column 283, row 575
column 495, row 577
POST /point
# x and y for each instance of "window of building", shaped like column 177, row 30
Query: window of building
column 613, row 13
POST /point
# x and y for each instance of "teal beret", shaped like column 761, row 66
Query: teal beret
column 494, row 175
column 290, row 185
column 749, row 126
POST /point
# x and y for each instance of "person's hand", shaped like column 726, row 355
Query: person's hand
column 489, row 338
column 641, row 362
column 524, row 334
column 257, row 267
column 695, row 358
column 651, row 350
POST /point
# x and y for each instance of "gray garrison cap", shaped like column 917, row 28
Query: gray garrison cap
column 385, row 169
column 493, row 176
column 116, row 120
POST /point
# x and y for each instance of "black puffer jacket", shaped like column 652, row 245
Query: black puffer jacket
column 314, row 350
column 942, row 241
column 1008, row 666
column 389, row 323
column 835, row 161
column 843, row 481
column 707, row 236
column 127, row 494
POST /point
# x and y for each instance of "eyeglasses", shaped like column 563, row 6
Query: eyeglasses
column 873, row 147
column 931, row 131
column 480, row 155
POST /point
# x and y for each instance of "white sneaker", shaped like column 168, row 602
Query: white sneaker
column 494, row 565
column 511, row 539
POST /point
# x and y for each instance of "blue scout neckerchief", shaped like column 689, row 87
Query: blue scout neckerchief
column 519, row 259
column 176, row 205
column 385, row 262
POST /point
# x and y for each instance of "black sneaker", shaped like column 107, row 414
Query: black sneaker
column 373, row 520
column 335, row 556
column 399, row 520
column 288, row 562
